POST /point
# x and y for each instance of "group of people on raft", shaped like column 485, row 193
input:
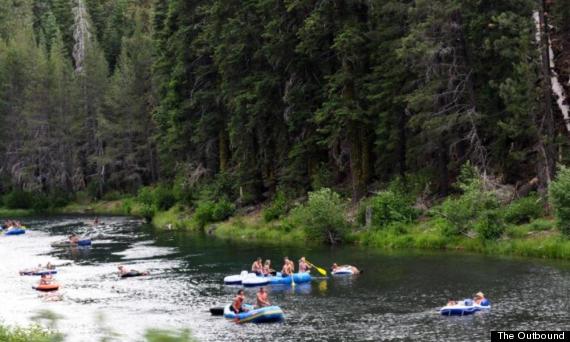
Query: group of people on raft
column 7, row 224
column 477, row 300
column 262, row 300
column 263, row 269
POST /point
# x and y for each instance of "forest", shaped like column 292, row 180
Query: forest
column 250, row 101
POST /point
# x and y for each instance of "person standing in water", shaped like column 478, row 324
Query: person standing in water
column 262, row 298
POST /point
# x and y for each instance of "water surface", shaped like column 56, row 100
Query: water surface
column 394, row 300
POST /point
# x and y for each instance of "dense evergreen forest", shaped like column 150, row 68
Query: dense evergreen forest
column 251, row 98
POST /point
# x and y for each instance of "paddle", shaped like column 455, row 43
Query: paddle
column 320, row 270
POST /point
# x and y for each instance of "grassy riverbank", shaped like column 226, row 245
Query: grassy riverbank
column 538, row 239
column 36, row 333
column 31, row 334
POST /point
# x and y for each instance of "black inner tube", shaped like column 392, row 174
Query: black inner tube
column 217, row 311
column 132, row 274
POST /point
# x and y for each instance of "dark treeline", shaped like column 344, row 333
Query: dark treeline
column 258, row 96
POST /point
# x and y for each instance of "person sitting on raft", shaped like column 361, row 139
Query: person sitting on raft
column 262, row 298
column 479, row 298
column 45, row 279
column 237, row 304
column 354, row 270
column 286, row 270
column 304, row 266
column 257, row 267
column 124, row 271
column 267, row 270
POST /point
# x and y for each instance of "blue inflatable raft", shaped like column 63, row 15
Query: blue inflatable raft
column 266, row 314
column 15, row 231
column 464, row 308
column 299, row 278
column 37, row 272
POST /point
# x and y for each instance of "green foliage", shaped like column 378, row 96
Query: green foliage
column 167, row 336
column 32, row 334
column 489, row 225
column 209, row 211
column 277, row 209
column 387, row 207
column 18, row 199
column 464, row 211
column 559, row 196
column 156, row 198
column 322, row 217
column 524, row 210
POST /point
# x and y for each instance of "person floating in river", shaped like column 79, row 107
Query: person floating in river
column 354, row 269
column 262, row 298
column 257, row 267
column 237, row 304
column 46, row 279
column 74, row 239
column 479, row 298
column 125, row 272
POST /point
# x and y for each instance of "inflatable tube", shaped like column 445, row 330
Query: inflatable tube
column 15, row 231
column 252, row 280
column 343, row 271
column 266, row 314
column 464, row 308
column 236, row 279
column 132, row 274
column 299, row 278
column 217, row 311
column 84, row 242
column 47, row 287
column 37, row 272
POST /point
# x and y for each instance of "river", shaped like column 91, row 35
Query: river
column 395, row 299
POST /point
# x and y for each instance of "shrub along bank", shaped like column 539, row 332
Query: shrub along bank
column 474, row 219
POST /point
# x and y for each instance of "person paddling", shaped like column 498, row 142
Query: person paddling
column 304, row 266
column 237, row 304
column 257, row 267
column 262, row 298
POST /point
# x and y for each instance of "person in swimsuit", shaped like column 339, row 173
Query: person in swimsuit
column 267, row 271
column 237, row 304
column 286, row 270
column 479, row 297
column 257, row 267
column 262, row 298
column 125, row 271
column 303, row 265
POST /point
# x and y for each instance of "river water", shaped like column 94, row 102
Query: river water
column 394, row 300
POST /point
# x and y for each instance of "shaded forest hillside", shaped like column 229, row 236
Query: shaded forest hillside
column 247, row 98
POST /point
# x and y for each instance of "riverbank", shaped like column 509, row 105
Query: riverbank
column 538, row 239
